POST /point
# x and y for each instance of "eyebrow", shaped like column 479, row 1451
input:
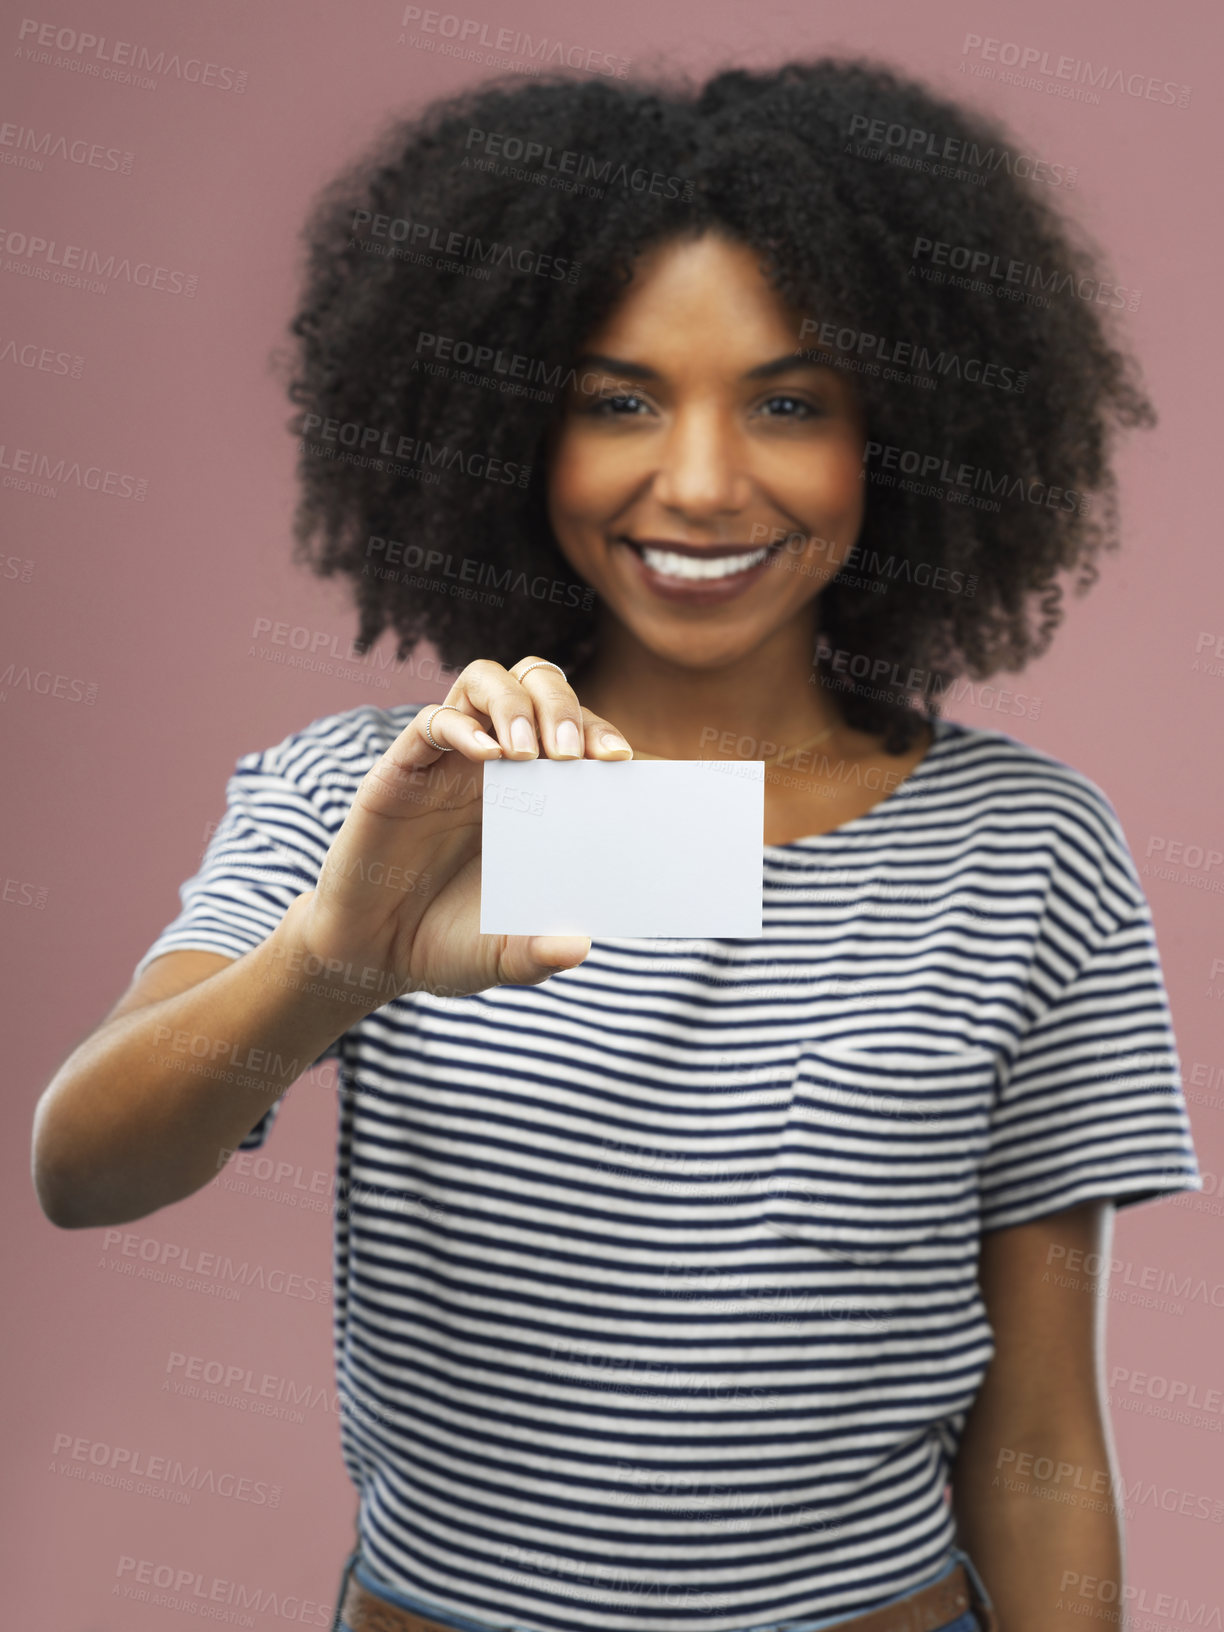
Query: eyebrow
column 789, row 364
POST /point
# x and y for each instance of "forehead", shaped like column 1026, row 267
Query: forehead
column 711, row 286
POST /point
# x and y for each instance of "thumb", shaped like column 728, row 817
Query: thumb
column 528, row 960
column 559, row 951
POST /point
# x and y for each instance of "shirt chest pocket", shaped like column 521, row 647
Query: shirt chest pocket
column 879, row 1151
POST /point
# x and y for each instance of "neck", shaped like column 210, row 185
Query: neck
column 679, row 711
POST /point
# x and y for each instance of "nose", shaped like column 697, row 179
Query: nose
column 701, row 465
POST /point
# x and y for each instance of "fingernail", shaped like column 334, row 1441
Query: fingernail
column 485, row 740
column 568, row 740
column 522, row 737
column 613, row 740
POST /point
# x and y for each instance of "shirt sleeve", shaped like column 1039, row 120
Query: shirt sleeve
column 1092, row 1106
column 268, row 848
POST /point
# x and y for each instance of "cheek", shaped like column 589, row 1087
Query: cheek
column 829, row 497
column 846, row 488
column 573, row 480
column 826, row 489
column 575, row 505
column 844, row 485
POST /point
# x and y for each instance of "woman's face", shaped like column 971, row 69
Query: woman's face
column 692, row 422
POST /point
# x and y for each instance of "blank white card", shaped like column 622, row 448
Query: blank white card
column 630, row 847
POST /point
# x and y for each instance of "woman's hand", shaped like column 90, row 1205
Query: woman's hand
column 398, row 894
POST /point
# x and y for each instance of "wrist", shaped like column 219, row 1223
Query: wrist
column 349, row 988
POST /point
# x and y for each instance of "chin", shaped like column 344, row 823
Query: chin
column 697, row 648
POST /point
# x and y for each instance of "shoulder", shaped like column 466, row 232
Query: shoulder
column 995, row 761
column 1045, row 807
column 333, row 752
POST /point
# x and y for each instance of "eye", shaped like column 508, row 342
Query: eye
column 801, row 408
column 809, row 410
column 601, row 406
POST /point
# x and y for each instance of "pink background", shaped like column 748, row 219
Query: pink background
column 155, row 603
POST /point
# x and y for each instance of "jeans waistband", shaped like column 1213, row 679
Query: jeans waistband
column 463, row 1623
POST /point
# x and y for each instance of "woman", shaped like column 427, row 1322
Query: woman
column 691, row 1284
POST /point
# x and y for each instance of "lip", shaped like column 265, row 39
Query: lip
column 695, row 594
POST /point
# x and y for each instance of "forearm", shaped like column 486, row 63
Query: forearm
column 1038, row 1526
column 139, row 1115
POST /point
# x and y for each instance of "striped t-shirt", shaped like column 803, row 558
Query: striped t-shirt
column 655, row 1293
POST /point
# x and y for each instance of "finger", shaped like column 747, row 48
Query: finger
column 558, row 713
column 396, row 784
column 526, row 713
column 603, row 740
column 452, row 726
column 536, row 705
column 568, row 730
column 485, row 687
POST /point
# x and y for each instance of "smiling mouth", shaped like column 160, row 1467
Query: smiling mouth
column 698, row 565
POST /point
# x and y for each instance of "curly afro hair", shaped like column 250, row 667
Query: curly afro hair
column 992, row 478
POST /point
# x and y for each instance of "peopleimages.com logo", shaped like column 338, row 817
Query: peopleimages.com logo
column 1062, row 72
column 128, row 62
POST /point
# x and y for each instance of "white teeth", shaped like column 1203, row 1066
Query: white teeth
column 671, row 565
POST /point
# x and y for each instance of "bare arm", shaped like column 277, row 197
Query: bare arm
column 188, row 1061
column 181, row 1069
column 1035, row 1488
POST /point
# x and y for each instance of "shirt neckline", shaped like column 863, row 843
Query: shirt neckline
column 942, row 731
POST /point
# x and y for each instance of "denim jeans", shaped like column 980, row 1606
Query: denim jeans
column 968, row 1622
